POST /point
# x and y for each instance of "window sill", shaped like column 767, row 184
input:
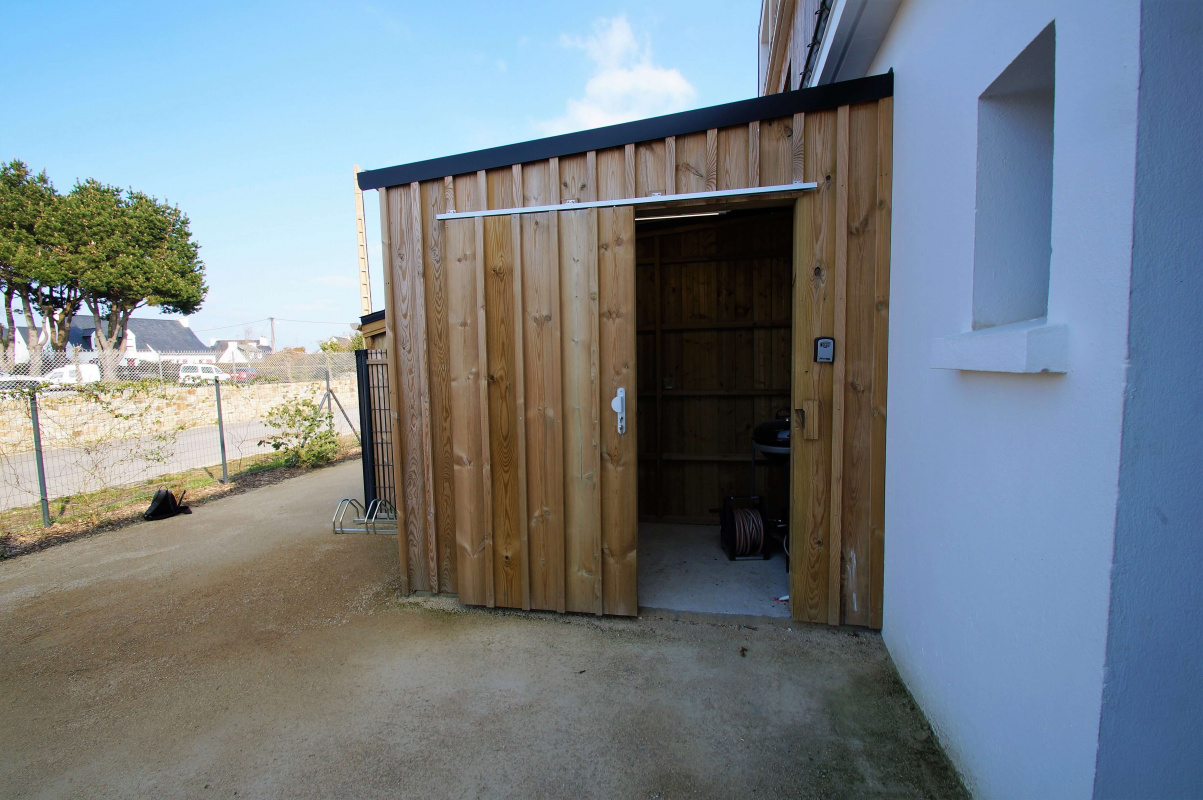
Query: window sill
column 1033, row 346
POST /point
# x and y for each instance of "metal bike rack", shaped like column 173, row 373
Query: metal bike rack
column 340, row 522
column 382, row 517
column 379, row 517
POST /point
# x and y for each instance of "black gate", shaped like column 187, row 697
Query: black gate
column 375, row 419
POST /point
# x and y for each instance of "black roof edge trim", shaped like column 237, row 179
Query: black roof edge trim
column 375, row 316
column 831, row 95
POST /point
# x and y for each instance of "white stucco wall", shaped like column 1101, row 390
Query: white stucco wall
column 1001, row 489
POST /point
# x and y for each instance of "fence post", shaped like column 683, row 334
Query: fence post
column 37, row 452
column 221, row 433
column 363, row 384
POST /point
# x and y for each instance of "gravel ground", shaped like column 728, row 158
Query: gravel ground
column 246, row 651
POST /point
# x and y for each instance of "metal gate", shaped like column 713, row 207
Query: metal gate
column 375, row 420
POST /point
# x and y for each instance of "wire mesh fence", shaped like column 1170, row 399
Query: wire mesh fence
column 78, row 439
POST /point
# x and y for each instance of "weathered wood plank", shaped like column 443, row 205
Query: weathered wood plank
column 754, row 153
column 520, row 383
column 858, row 409
column 691, row 167
column 670, row 165
column 387, row 227
column 776, row 151
column 629, row 187
column 711, row 183
column 406, row 266
column 575, row 181
column 467, row 193
column 536, row 183
column 430, row 524
column 480, row 200
column 504, row 433
column 619, row 459
column 733, row 158
column 591, row 186
column 582, row 498
column 467, row 439
column 544, row 421
column 649, row 168
column 798, row 144
column 839, row 367
column 435, row 272
column 814, row 258
column 881, row 328
column 611, row 173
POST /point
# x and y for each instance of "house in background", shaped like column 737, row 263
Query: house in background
column 239, row 351
column 169, row 338
column 147, row 339
column 21, row 344
column 1042, row 506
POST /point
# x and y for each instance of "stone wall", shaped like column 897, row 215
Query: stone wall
column 69, row 419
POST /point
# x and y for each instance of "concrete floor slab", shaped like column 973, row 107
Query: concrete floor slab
column 683, row 567
column 245, row 650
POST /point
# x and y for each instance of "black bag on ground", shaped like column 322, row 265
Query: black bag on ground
column 165, row 505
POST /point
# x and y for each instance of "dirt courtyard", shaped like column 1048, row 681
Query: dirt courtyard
column 245, row 650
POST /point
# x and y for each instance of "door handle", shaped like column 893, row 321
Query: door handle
column 619, row 404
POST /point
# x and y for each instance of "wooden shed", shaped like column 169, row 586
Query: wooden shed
column 685, row 265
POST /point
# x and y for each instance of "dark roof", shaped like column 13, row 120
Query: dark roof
column 831, row 95
column 375, row 316
column 166, row 334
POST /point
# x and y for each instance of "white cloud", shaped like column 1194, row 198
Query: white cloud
column 626, row 83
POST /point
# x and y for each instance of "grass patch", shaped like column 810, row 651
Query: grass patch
column 84, row 514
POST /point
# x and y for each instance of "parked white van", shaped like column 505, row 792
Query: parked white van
column 72, row 374
column 201, row 373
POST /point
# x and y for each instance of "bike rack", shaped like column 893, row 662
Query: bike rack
column 340, row 523
column 382, row 517
column 379, row 517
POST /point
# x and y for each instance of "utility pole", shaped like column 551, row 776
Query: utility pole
column 365, row 286
column 273, row 322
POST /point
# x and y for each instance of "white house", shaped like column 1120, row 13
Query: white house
column 239, row 351
column 147, row 339
column 1043, row 506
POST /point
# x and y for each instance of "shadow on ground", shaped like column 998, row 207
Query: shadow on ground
column 246, row 649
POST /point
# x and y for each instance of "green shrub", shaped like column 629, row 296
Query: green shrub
column 306, row 432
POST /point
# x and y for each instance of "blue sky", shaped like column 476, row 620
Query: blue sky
column 250, row 116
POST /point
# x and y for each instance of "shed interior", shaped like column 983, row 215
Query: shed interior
column 713, row 316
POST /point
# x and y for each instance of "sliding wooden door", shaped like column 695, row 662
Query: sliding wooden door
column 541, row 338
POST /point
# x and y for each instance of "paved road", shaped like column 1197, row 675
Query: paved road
column 71, row 470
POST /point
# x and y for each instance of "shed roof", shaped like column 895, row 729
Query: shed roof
column 861, row 90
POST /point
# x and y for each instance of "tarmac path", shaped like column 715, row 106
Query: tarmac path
column 246, row 651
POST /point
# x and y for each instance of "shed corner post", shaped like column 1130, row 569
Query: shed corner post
column 390, row 336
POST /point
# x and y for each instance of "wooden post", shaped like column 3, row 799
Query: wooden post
column 390, row 327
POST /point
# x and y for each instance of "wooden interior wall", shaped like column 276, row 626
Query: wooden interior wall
column 714, row 310
column 441, row 310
